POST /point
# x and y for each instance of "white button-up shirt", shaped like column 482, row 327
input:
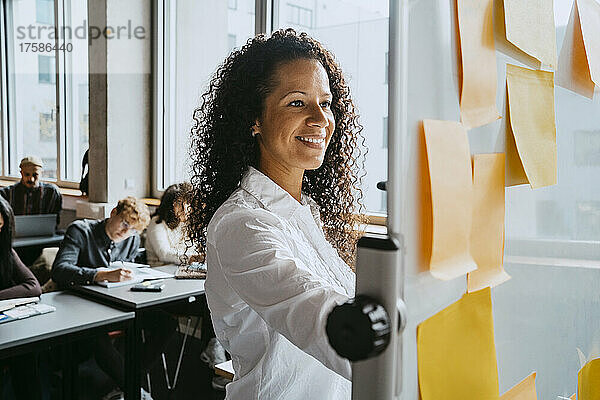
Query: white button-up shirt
column 272, row 281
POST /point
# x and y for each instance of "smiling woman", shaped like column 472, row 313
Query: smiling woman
column 275, row 207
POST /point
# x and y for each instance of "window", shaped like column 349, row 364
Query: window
column 299, row 16
column 44, row 12
column 46, row 70
column 570, row 210
column 357, row 34
column 231, row 40
column 44, row 116
column 185, row 69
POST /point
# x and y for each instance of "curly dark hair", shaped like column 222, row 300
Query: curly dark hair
column 223, row 147
column 166, row 210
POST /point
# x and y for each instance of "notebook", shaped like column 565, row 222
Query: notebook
column 192, row 271
column 139, row 273
column 25, row 311
column 11, row 303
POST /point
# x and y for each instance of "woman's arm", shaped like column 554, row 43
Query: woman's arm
column 257, row 262
column 26, row 285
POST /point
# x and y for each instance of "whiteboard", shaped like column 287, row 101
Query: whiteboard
column 548, row 308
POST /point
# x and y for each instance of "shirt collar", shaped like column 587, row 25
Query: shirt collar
column 271, row 195
column 100, row 234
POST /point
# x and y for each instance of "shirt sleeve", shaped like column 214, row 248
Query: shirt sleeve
column 156, row 236
column 26, row 285
column 65, row 270
column 257, row 262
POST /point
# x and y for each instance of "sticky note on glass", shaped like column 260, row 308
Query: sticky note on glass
column 525, row 31
column 456, row 351
column 579, row 61
column 532, row 125
column 478, row 54
column 588, row 381
column 525, row 390
column 449, row 161
column 487, row 231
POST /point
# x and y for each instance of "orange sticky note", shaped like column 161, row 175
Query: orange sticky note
column 478, row 54
column 579, row 61
column 532, row 124
column 588, row 381
column 487, row 231
column 449, row 161
column 525, row 390
column 529, row 26
column 456, row 351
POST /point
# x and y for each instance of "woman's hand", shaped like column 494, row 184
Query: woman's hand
column 115, row 275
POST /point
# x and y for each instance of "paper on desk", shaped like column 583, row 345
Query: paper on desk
column 487, row 232
column 478, row 54
column 525, row 390
column 532, row 123
column 525, row 31
column 450, row 179
column 456, row 351
column 139, row 273
column 587, row 381
column 11, row 303
column 579, row 61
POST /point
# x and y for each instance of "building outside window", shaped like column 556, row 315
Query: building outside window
column 35, row 124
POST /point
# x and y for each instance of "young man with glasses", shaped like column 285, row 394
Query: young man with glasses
column 92, row 244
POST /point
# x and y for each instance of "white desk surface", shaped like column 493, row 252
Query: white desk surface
column 73, row 314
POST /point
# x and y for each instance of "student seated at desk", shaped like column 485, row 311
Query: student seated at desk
column 16, row 280
column 91, row 244
column 165, row 236
column 30, row 196
column 166, row 243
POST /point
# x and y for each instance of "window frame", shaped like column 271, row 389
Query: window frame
column 266, row 18
column 61, row 97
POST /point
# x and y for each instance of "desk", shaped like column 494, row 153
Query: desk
column 45, row 241
column 74, row 318
column 175, row 290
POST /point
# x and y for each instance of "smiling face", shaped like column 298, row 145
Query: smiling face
column 297, row 121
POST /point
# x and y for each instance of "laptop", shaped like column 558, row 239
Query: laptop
column 35, row 225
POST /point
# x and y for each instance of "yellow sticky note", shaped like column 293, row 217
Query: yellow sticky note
column 588, row 381
column 487, row 231
column 503, row 45
column 579, row 61
column 532, row 123
column 525, row 390
column 449, row 161
column 529, row 25
column 456, row 351
column 478, row 54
